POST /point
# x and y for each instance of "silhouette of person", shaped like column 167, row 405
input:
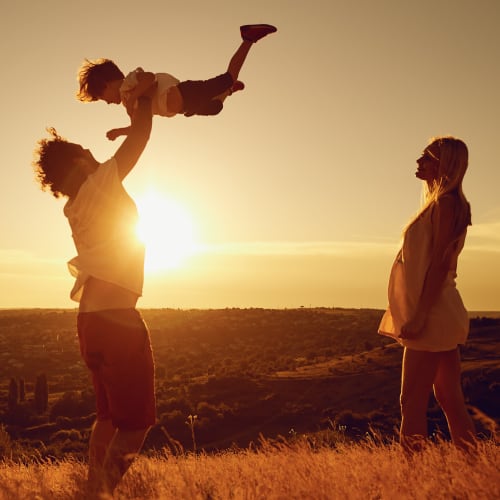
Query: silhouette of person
column 103, row 80
column 109, row 268
column 426, row 313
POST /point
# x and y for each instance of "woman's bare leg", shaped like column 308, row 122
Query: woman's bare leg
column 449, row 394
column 418, row 372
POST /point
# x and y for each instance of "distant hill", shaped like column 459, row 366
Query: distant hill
column 484, row 314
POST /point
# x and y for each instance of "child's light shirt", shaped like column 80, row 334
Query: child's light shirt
column 159, row 103
column 103, row 219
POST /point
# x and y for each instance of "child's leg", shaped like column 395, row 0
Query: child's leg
column 235, row 87
column 239, row 57
column 250, row 33
column 197, row 95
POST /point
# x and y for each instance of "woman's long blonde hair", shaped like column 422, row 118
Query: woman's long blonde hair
column 453, row 157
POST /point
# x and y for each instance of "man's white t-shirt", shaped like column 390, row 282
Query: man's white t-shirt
column 103, row 219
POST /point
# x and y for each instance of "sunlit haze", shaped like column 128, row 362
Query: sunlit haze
column 297, row 192
column 167, row 231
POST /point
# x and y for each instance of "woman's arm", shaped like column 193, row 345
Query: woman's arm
column 140, row 128
column 443, row 218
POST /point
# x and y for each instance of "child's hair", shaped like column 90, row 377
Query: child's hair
column 93, row 76
column 55, row 167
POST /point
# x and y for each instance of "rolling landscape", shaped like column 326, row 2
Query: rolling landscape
column 294, row 403
column 230, row 377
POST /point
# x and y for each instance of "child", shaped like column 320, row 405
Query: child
column 103, row 80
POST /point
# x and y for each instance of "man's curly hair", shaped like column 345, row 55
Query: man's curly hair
column 55, row 167
column 93, row 77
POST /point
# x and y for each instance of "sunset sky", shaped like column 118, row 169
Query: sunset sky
column 297, row 193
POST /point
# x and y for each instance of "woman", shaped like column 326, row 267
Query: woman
column 109, row 268
column 426, row 314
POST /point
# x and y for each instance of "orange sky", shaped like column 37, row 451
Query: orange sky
column 297, row 192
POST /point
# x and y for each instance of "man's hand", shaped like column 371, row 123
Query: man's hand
column 146, row 87
column 150, row 90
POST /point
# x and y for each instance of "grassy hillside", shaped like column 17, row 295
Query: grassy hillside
column 276, row 471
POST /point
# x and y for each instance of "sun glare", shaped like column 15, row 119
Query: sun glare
column 167, row 231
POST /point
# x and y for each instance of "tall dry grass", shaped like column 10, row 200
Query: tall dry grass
column 367, row 470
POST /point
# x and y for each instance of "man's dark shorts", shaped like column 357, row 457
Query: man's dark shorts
column 198, row 95
column 116, row 347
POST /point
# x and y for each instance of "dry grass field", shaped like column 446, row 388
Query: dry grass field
column 322, row 378
column 278, row 471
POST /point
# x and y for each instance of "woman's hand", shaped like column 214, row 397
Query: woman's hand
column 412, row 329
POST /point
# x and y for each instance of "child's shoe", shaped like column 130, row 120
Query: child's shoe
column 237, row 86
column 254, row 32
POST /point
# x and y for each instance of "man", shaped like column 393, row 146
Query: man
column 109, row 271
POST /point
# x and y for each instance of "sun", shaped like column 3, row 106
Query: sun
column 167, row 231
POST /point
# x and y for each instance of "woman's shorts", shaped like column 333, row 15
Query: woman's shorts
column 116, row 347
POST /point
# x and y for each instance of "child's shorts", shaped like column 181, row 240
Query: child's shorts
column 116, row 347
column 198, row 94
